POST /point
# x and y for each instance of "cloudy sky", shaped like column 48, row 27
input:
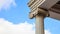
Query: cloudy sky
column 14, row 19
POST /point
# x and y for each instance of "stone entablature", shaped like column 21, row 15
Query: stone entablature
column 46, row 4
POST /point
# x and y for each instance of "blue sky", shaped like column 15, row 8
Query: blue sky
column 19, row 13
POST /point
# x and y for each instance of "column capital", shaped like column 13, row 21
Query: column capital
column 38, row 11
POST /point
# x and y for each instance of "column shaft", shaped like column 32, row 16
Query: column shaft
column 39, row 24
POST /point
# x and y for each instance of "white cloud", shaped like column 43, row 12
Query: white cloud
column 5, row 4
column 47, row 32
column 7, row 27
